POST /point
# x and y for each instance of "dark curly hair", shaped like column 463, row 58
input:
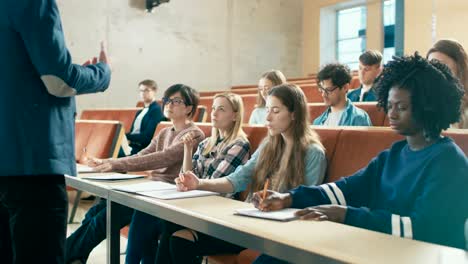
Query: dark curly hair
column 435, row 93
column 338, row 73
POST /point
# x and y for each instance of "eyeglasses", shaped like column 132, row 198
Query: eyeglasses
column 175, row 101
column 327, row 90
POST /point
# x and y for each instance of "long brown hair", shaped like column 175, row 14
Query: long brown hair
column 276, row 78
column 291, row 170
column 454, row 50
column 236, row 130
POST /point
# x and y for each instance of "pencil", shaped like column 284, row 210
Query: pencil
column 265, row 188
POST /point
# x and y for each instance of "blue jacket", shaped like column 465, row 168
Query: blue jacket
column 413, row 194
column 354, row 95
column 352, row 116
column 38, row 82
column 139, row 141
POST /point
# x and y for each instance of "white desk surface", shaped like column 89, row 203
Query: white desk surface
column 295, row 241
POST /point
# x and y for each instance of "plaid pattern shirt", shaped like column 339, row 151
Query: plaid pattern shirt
column 222, row 160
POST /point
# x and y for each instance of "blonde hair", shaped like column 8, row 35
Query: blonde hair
column 271, row 158
column 276, row 78
column 236, row 131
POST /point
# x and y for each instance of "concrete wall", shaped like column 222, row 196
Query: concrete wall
column 450, row 22
column 426, row 21
column 208, row 44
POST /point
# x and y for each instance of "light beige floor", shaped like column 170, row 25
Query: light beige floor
column 98, row 255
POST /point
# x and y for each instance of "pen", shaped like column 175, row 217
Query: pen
column 265, row 188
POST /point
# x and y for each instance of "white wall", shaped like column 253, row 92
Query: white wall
column 207, row 44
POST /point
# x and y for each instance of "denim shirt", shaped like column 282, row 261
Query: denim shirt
column 354, row 95
column 315, row 167
column 352, row 116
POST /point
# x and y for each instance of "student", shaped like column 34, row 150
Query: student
column 216, row 157
column 266, row 82
column 452, row 54
column 417, row 186
column 147, row 119
column 38, row 81
column 163, row 157
column 370, row 66
column 291, row 155
column 333, row 83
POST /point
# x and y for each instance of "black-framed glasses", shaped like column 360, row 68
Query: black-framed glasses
column 327, row 90
column 175, row 101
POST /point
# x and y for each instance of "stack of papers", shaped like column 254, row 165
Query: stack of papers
column 161, row 190
column 287, row 214
column 113, row 177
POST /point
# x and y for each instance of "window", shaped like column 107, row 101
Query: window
column 389, row 29
column 351, row 35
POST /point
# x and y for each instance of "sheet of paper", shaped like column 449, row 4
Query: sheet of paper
column 113, row 177
column 80, row 168
column 174, row 194
column 145, row 187
column 280, row 215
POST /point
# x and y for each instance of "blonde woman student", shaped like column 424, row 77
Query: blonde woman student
column 215, row 157
column 291, row 155
column 266, row 82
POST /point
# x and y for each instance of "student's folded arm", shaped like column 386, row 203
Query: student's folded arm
column 151, row 161
column 38, row 22
column 438, row 213
column 348, row 191
column 151, row 147
column 237, row 155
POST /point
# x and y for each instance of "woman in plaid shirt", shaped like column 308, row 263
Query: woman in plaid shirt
column 291, row 155
column 215, row 157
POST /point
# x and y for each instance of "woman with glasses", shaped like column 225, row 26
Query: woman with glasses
column 266, row 82
column 164, row 157
column 215, row 157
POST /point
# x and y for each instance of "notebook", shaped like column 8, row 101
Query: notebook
column 145, row 187
column 80, row 168
column 174, row 194
column 280, row 215
column 113, row 177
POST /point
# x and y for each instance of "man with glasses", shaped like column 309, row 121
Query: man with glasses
column 370, row 66
column 147, row 119
column 333, row 83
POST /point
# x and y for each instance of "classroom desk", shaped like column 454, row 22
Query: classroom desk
column 295, row 241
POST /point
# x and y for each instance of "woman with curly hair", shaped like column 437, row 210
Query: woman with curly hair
column 451, row 53
column 417, row 188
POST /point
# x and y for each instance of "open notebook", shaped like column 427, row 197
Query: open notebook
column 161, row 190
column 113, row 177
column 280, row 215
